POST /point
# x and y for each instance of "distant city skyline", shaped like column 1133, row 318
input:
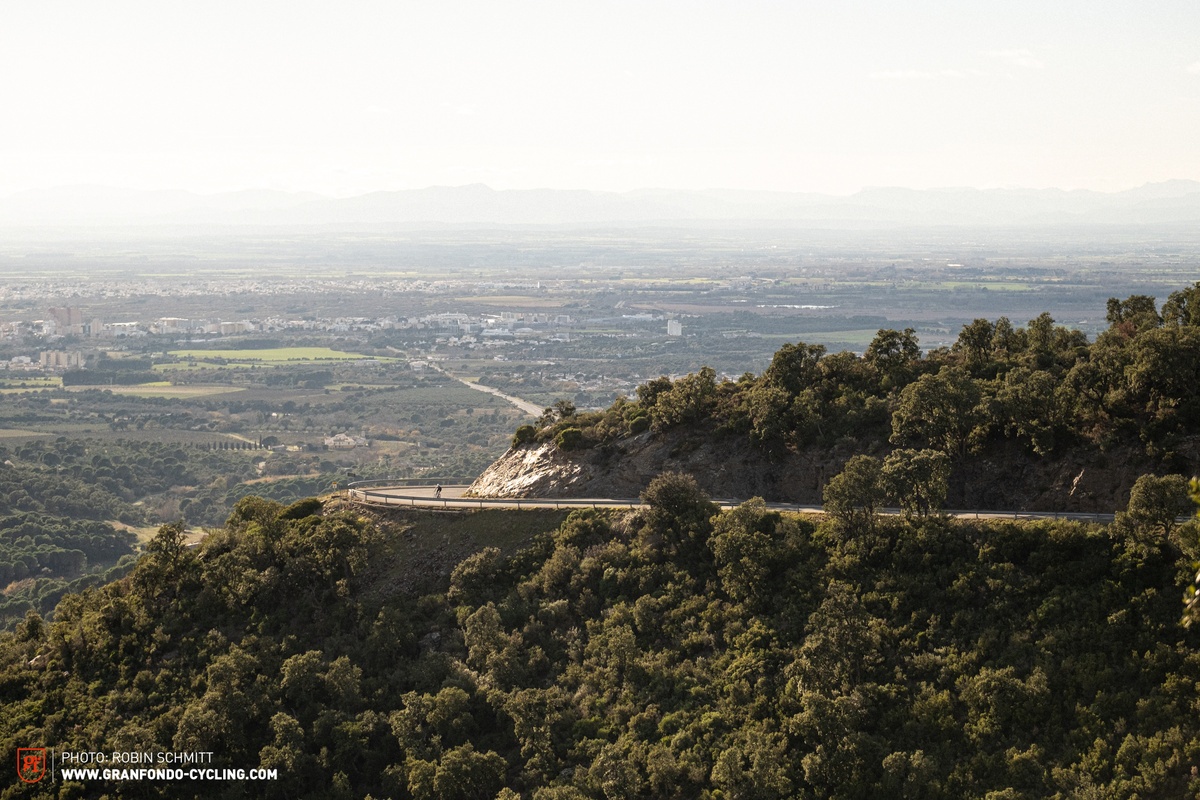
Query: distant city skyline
column 371, row 96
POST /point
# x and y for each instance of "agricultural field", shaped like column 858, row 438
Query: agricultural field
column 17, row 433
column 24, row 383
column 273, row 355
column 163, row 389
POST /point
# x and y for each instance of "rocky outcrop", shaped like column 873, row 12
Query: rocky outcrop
column 1083, row 479
column 727, row 467
column 536, row 470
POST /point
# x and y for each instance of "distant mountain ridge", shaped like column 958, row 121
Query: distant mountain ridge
column 1168, row 202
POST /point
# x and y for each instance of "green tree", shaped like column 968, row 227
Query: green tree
column 842, row 646
column 288, row 753
column 1007, row 342
column 1051, row 347
column 773, row 422
column 893, row 355
column 917, row 480
column 1159, row 501
column 1133, row 315
column 1183, row 307
column 676, row 501
column 649, row 392
column 1161, row 376
column 856, row 493
column 1027, row 405
column 754, row 766
column 938, row 411
column 794, row 367
column 689, row 399
column 745, row 550
column 1040, row 337
column 473, row 582
column 975, row 344
column 564, row 408
column 168, row 568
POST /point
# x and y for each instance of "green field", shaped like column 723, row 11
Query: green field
column 274, row 355
column 163, row 389
column 15, row 433
column 157, row 390
column 39, row 382
column 196, row 367
column 160, row 435
column 353, row 387
column 19, row 386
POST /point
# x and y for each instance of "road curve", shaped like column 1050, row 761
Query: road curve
column 452, row 499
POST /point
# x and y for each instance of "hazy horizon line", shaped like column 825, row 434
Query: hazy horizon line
column 11, row 193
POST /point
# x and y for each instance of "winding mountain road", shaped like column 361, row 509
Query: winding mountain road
column 452, row 499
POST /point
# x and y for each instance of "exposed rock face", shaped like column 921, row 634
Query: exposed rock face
column 540, row 470
column 727, row 467
column 730, row 467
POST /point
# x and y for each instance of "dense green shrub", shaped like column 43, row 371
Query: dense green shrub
column 524, row 435
column 569, row 439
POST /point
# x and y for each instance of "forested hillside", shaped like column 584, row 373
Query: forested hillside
column 63, row 505
column 1031, row 417
column 672, row 652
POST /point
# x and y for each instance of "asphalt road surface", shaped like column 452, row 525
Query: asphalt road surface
column 452, row 499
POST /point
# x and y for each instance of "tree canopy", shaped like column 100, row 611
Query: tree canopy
column 673, row 652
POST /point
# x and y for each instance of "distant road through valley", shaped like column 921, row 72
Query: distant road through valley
column 533, row 409
column 529, row 408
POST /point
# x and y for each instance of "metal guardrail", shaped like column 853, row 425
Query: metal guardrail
column 359, row 493
column 369, row 497
column 1077, row 516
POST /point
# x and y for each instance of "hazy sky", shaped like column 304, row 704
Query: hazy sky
column 350, row 97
